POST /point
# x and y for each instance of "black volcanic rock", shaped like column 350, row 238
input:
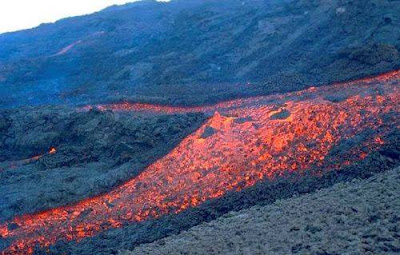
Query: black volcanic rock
column 208, row 131
column 95, row 151
column 198, row 51
column 283, row 114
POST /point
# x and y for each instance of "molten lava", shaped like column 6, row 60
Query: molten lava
column 19, row 163
column 52, row 150
column 245, row 141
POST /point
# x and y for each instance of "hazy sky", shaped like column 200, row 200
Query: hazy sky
column 21, row 14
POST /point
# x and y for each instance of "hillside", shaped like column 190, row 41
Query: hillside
column 99, row 180
column 198, row 51
column 125, row 129
column 357, row 217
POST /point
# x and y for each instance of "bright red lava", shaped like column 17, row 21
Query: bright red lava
column 244, row 142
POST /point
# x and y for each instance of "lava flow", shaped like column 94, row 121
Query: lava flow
column 15, row 164
column 244, row 141
column 240, row 103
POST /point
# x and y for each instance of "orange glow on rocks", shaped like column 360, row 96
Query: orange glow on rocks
column 243, row 142
column 52, row 150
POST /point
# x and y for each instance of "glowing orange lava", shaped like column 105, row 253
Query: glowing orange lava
column 244, row 142
column 52, row 150
column 19, row 163
column 393, row 76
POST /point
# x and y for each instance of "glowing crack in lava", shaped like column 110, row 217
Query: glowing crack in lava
column 52, row 150
column 243, row 142
column 15, row 164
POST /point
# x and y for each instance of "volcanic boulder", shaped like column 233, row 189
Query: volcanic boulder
column 208, row 132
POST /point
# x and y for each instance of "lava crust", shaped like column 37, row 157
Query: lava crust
column 242, row 143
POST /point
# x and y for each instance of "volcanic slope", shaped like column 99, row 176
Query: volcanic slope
column 52, row 156
column 187, row 52
column 358, row 217
column 314, row 131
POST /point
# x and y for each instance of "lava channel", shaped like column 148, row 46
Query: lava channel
column 242, row 143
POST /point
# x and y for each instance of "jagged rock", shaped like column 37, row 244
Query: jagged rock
column 123, row 151
column 283, row 114
column 375, row 54
column 391, row 153
column 91, row 151
column 208, row 131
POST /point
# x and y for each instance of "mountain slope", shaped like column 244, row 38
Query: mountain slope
column 166, row 52
column 355, row 217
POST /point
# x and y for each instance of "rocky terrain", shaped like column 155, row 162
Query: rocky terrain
column 94, row 151
column 203, row 126
column 198, row 51
column 357, row 217
column 252, row 152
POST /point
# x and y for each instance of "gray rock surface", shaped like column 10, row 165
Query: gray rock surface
column 358, row 217
column 95, row 151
